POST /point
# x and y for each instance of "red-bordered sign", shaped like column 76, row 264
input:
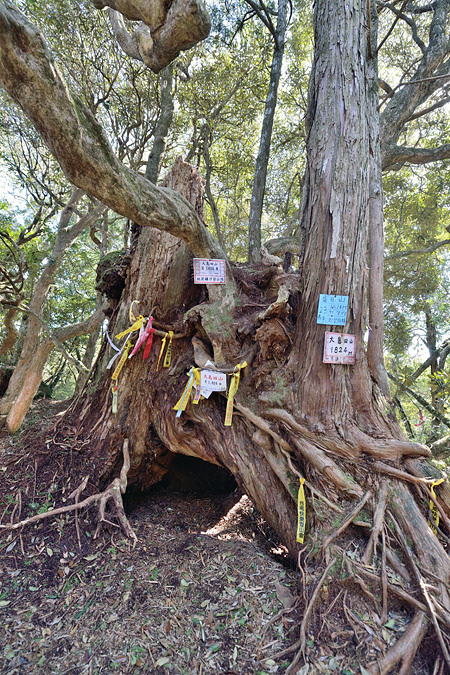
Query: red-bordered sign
column 209, row 271
column 339, row 348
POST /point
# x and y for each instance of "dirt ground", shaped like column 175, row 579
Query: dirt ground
column 195, row 595
column 206, row 589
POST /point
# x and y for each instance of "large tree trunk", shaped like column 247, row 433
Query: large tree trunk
column 294, row 416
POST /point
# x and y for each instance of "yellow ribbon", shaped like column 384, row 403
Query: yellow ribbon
column 194, row 376
column 123, row 358
column 301, row 513
column 234, row 384
column 163, row 344
column 166, row 363
column 136, row 326
column 433, row 507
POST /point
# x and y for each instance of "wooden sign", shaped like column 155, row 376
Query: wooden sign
column 332, row 310
column 209, row 271
column 339, row 348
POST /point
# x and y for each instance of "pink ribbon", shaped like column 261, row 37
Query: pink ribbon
column 147, row 333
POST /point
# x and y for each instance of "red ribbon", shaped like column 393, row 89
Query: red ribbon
column 419, row 424
column 144, row 334
column 149, row 342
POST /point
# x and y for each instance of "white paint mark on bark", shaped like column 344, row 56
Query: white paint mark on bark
column 336, row 229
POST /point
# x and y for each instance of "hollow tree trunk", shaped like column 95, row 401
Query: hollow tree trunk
column 294, row 417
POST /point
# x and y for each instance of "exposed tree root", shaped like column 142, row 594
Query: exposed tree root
column 377, row 524
column 114, row 491
column 404, row 649
column 301, row 643
column 346, row 523
column 426, row 595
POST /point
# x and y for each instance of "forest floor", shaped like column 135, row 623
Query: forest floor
column 195, row 595
column 206, row 589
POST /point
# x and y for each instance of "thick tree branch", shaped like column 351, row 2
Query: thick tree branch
column 164, row 29
column 429, row 73
column 60, row 335
column 419, row 251
column 399, row 155
column 78, row 142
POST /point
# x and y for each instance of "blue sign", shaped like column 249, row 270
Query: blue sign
column 332, row 310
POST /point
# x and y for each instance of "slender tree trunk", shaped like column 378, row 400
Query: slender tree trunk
column 65, row 237
column 37, row 363
column 159, row 141
column 262, row 159
column 162, row 126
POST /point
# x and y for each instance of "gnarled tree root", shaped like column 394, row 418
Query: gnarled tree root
column 404, row 649
column 114, row 491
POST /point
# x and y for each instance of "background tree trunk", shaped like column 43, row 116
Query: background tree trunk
column 262, row 158
column 64, row 239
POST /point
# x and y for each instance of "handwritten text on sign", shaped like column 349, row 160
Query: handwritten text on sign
column 208, row 271
column 332, row 309
column 339, row 348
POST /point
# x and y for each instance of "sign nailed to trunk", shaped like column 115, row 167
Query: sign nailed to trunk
column 209, row 271
column 332, row 310
column 339, row 348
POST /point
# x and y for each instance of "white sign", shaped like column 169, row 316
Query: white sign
column 209, row 271
column 339, row 348
column 210, row 381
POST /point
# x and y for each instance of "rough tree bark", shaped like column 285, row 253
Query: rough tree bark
column 294, row 415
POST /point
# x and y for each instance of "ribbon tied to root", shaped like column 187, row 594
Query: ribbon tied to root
column 301, row 512
column 433, row 508
column 194, row 377
column 234, row 384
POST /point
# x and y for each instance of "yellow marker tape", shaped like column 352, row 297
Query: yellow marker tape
column 198, row 386
column 114, row 398
column 234, row 384
column 433, row 507
column 131, row 313
column 136, row 326
column 301, row 513
column 163, row 344
column 194, row 375
column 123, row 358
column 166, row 363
